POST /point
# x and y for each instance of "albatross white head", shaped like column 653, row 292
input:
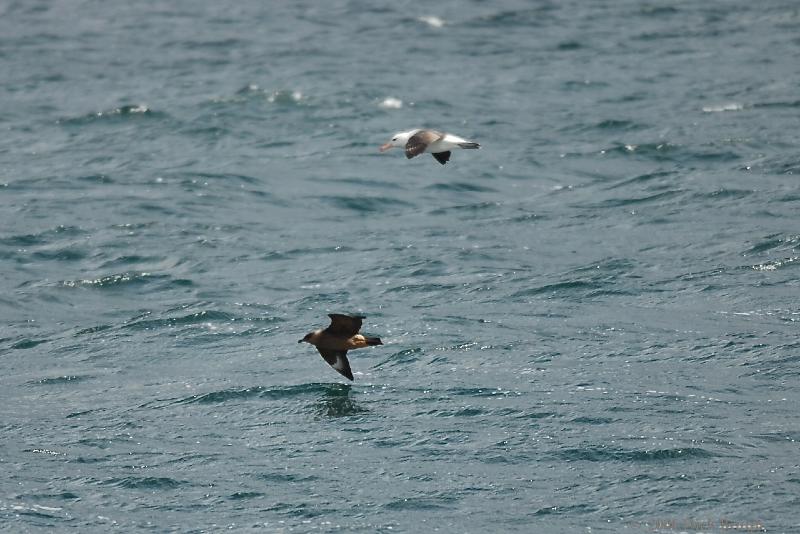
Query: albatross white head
column 398, row 140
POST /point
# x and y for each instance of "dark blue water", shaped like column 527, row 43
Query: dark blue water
column 590, row 324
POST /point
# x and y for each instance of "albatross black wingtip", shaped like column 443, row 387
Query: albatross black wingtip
column 442, row 157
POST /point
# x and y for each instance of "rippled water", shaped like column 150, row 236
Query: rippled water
column 590, row 324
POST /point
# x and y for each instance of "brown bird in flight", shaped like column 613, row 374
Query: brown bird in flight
column 342, row 335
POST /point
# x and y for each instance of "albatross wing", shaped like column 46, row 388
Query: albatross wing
column 419, row 142
column 442, row 157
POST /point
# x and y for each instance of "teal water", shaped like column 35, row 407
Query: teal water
column 590, row 325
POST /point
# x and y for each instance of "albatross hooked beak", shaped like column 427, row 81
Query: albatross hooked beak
column 385, row 147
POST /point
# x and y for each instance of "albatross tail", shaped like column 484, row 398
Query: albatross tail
column 469, row 145
column 374, row 341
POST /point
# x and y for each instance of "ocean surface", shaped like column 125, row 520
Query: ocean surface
column 590, row 325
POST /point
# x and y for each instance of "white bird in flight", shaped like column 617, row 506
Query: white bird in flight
column 420, row 140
